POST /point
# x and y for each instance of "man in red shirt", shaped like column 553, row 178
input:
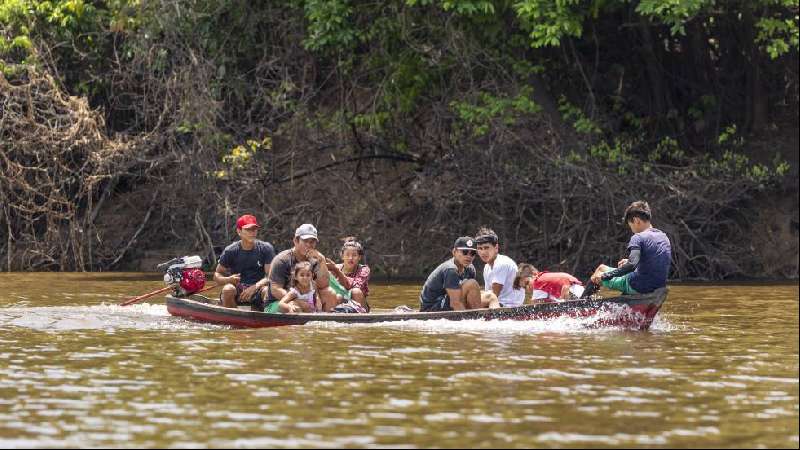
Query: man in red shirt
column 554, row 286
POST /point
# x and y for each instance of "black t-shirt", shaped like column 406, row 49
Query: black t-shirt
column 444, row 277
column 248, row 263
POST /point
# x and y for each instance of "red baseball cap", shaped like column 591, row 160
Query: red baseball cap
column 247, row 221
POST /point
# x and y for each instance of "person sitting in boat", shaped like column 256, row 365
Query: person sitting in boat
column 452, row 285
column 304, row 249
column 301, row 297
column 552, row 287
column 649, row 257
column 523, row 282
column 243, row 267
column 350, row 279
column 499, row 271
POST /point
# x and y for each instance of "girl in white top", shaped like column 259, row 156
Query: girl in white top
column 301, row 296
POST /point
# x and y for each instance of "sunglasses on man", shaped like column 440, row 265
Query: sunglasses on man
column 469, row 252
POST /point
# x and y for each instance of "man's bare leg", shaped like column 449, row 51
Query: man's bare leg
column 591, row 287
column 471, row 294
column 228, row 296
column 601, row 269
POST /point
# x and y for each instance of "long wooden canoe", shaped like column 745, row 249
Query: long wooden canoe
column 628, row 311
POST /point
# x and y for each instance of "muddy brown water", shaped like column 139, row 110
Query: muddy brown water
column 718, row 368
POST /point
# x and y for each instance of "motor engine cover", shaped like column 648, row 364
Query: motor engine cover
column 192, row 280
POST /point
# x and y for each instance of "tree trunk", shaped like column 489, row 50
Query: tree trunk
column 653, row 67
column 543, row 98
column 756, row 98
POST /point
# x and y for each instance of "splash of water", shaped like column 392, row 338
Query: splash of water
column 142, row 316
column 147, row 316
column 564, row 324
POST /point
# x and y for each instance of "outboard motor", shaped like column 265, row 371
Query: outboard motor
column 185, row 274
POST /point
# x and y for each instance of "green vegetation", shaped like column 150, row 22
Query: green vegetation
column 268, row 96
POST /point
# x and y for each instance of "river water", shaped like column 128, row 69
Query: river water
column 718, row 368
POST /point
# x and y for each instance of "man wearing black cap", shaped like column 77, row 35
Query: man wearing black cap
column 452, row 285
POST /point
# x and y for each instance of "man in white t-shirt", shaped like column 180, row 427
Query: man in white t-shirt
column 499, row 271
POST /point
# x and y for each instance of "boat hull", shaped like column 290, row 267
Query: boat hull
column 629, row 311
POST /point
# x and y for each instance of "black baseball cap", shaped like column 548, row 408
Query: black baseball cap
column 487, row 239
column 465, row 243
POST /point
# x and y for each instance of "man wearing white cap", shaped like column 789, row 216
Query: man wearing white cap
column 305, row 249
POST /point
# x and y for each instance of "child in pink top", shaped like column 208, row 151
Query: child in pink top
column 351, row 274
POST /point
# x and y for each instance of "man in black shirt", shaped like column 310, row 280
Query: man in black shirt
column 243, row 267
column 452, row 285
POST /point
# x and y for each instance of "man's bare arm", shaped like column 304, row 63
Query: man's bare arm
column 221, row 276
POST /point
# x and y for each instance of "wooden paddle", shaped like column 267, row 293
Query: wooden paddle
column 205, row 289
column 133, row 300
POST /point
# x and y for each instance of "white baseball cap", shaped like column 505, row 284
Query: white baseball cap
column 306, row 231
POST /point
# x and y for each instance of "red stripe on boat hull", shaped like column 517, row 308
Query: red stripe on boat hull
column 632, row 312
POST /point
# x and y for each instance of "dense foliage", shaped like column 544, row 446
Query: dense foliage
column 405, row 122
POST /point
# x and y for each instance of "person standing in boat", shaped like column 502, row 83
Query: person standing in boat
column 304, row 249
column 649, row 257
column 452, row 285
column 499, row 271
column 243, row 267
column 351, row 278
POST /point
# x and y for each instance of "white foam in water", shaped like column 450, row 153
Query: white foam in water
column 558, row 325
column 662, row 324
column 154, row 316
column 141, row 316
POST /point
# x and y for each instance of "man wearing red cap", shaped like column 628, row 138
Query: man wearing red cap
column 243, row 267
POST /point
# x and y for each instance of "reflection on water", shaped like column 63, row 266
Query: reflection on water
column 719, row 367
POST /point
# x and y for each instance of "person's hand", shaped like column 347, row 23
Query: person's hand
column 294, row 309
column 330, row 264
column 314, row 253
column 235, row 279
column 248, row 293
column 622, row 262
column 597, row 278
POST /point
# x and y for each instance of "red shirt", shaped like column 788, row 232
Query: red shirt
column 553, row 282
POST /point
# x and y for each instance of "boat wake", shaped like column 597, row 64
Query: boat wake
column 564, row 324
column 143, row 316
